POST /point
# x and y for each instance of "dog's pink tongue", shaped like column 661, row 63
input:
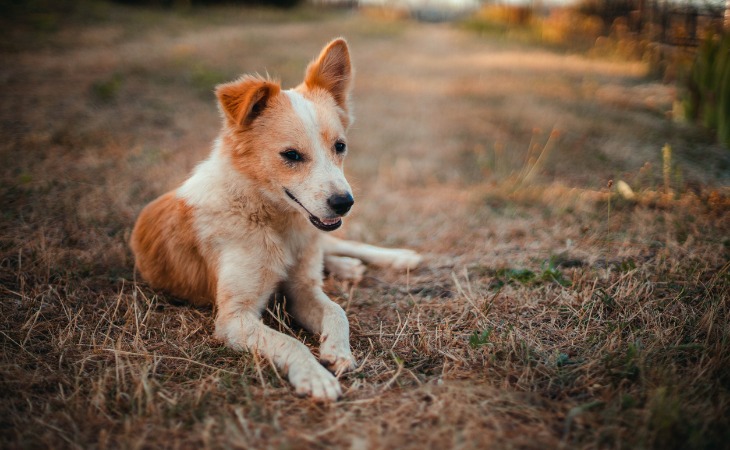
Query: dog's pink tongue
column 329, row 221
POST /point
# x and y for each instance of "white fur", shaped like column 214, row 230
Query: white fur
column 253, row 260
column 326, row 177
column 208, row 179
column 307, row 114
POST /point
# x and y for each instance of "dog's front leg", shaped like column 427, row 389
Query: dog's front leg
column 245, row 331
column 238, row 323
column 314, row 310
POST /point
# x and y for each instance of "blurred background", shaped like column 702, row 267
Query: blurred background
column 509, row 94
column 106, row 105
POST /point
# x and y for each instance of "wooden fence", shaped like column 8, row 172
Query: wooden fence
column 678, row 24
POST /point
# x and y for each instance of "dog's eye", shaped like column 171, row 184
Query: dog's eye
column 340, row 147
column 292, row 155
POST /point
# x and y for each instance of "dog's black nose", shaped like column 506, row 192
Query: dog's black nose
column 341, row 203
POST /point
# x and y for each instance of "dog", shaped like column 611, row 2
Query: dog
column 252, row 220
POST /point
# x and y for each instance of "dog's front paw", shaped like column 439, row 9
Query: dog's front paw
column 338, row 364
column 337, row 358
column 311, row 379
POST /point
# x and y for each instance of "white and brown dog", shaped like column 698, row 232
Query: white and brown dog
column 248, row 222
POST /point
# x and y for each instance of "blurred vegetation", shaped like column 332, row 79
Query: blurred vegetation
column 45, row 15
column 608, row 11
column 666, row 39
column 585, row 27
column 189, row 3
column 28, row 24
column 707, row 89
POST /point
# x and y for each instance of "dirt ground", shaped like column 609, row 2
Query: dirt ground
column 550, row 312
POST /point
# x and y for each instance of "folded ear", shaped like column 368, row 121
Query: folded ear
column 332, row 72
column 243, row 100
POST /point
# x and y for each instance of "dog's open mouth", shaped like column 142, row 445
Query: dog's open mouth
column 322, row 224
column 326, row 224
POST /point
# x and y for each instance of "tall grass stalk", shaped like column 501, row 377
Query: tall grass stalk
column 608, row 216
column 534, row 167
column 667, row 167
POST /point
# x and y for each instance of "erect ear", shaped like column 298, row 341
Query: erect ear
column 332, row 72
column 243, row 100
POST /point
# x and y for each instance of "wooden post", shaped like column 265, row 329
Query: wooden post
column 638, row 22
column 664, row 22
column 690, row 23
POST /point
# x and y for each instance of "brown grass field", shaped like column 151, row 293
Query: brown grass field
column 551, row 312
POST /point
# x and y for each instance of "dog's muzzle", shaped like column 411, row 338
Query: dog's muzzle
column 342, row 205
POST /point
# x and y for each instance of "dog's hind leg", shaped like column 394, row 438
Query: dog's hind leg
column 395, row 258
column 344, row 268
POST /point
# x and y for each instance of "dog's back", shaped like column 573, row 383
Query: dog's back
column 168, row 253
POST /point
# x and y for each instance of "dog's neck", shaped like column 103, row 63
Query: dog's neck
column 216, row 185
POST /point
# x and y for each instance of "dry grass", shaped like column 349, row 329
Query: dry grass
column 535, row 322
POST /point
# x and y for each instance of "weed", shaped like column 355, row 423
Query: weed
column 107, row 90
column 549, row 272
column 523, row 276
column 480, row 339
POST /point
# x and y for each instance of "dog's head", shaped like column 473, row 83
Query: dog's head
column 291, row 143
